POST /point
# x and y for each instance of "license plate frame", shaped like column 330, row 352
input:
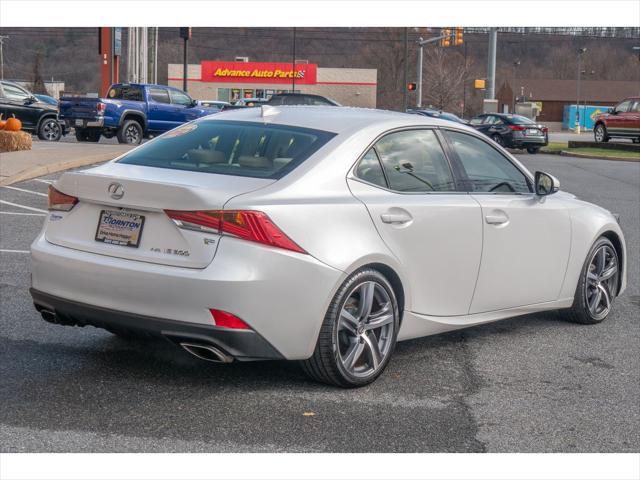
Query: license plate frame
column 532, row 132
column 105, row 233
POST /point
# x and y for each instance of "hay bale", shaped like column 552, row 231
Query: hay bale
column 14, row 141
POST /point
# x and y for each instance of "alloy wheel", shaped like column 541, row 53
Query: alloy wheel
column 365, row 329
column 599, row 133
column 601, row 283
column 51, row 130
column 132, row 134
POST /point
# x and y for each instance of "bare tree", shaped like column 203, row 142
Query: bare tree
column 37, row 84
column 444, row 77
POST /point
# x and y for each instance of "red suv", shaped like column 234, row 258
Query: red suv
column 622, row 121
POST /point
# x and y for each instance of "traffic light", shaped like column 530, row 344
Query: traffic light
column 411, row 86
column 446, row 41
column 457, row 39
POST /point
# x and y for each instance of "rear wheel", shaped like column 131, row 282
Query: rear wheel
column 636, row 140
column 600, row 133
column 358, row 334
column 498, row 139
column 598, row 285
column 49, row 130
column 130, row 132
column 533, row 150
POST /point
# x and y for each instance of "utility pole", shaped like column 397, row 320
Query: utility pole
column 185, row 33
column 405, row 98
column 490, row 92
column 2, row 39
column 581, row 52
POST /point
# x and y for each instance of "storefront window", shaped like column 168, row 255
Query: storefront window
column 248, row 93
column 224, row 94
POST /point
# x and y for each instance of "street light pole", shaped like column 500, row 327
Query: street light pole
column 419, row 72
column 405, row 97
column 516, row 64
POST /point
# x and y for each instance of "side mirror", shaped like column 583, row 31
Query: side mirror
column 546, row 184
column 193, row 103
column 611, row 110
column 30, row 100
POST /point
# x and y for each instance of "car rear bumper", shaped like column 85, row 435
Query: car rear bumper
column 283, row 296
column 236, row 344
column 84, row 122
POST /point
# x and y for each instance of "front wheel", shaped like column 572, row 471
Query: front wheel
column 50, row 130
column 130, row 132
column 358, row 334
column 600, row 133
column 598, row 284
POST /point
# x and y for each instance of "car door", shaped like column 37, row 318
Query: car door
column 616, row 122
column 158, row 116
column 18, row 102
column 632, row 119
column 435, row 232
column 182, row 110
column 526, row 238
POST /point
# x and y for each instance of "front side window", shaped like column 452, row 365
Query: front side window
column 12, row 92
column 180, row 98
column 486, row 169
column 231, row 148
column 413, row 161
column 623, row 107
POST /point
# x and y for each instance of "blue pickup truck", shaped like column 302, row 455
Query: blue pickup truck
column 130, row 112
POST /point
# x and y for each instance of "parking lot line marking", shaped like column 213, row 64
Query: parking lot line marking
column 25, row 190
column 5, row 250
column 22, row 206
column 42, row 180
column 27, row 214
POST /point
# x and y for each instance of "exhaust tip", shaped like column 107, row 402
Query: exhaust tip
column 207, row 352
column 48, row 315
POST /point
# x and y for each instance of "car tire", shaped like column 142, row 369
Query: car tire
column 351, row 350
column 598, row 285
column 600, row 133
column 533, row 150
column 49, row 130
column 130, row 133
column 636, row 140
column 498, row 139
column 87, row 135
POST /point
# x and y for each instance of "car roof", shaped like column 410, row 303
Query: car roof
column 326, row 118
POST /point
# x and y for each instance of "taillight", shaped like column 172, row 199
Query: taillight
column 516, row 128
column 545, row 130
column 60, row 201
column 100, row 108
column 228, row 320
column 246, row 224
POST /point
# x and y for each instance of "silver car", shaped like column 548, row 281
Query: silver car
column 318, row 234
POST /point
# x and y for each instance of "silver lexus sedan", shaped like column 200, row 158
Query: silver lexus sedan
column 318, row 234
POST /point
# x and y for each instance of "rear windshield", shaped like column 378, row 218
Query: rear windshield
column 126, row 92
column 520, row 120
column 231, row 148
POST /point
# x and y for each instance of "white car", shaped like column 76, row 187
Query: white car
column 320, row 234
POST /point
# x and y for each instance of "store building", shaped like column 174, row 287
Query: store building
column 229, row 81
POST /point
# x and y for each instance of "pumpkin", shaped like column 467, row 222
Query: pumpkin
column 13, row 124
column 2, row 122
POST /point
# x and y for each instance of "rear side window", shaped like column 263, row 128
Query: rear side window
column 242, row 149
column 159, row 95
column 520, row 120
column 370, row 170
column 413, row 161
column 126, row 92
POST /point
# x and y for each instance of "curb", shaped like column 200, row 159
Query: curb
column 41, row 170
column 565, row 153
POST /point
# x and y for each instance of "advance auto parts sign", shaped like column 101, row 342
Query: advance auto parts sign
column 258, row 72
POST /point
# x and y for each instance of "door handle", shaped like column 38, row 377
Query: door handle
column 397, row 218
column 497, row 218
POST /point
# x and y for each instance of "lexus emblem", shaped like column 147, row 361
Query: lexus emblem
column 116, row 190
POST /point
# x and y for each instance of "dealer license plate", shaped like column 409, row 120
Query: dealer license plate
column 533, row 131
column 79, row 123
column 120, row 228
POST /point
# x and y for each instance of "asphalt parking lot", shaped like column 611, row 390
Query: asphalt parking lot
column 531, row 384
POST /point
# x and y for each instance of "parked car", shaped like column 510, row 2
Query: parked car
column 428, row 112
column 621, row 121
column 37, row 117
column 213, row 103
column 250, row 101
column 315, row 236
column 130, row 112
column 512, row 131
column 46, row 99
column 301, row 99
